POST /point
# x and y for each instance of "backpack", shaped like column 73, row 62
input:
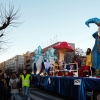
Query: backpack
column 14, row 85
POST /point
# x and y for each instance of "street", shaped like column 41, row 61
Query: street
column 37, row 93
column 41, row 94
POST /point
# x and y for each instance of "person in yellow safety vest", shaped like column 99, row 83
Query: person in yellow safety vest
column 26, row 83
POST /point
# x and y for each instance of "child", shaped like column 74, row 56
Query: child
column 83, row 63
column 84, row 67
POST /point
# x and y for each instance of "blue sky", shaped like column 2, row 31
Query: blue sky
column 46, row 19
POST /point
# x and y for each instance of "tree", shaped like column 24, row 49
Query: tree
column 8, row 17
column 80, row 52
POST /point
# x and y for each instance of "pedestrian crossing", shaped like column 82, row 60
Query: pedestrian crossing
column 40, row 94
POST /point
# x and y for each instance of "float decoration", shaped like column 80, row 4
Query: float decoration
column 93, row 20
column 63, row 47
column 96, row 48
column 50, row 56
column 37, row 60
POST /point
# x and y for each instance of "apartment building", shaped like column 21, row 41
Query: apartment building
column 15, row 63
column 28, row 59
column 2, row 65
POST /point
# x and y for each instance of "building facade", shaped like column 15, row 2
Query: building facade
column 15, row 63
column 28, row 59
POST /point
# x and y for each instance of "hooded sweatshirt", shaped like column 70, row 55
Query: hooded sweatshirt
column 10, row 82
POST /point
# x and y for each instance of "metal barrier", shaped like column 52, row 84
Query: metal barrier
column 69, row 70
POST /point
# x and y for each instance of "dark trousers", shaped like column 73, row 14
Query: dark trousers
column 91, row 71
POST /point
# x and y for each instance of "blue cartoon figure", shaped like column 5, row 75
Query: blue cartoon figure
column 96, row 48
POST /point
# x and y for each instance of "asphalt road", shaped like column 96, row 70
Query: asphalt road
column 37, row 93
column 41, row 94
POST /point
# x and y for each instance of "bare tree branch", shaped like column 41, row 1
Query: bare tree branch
column 8, row 17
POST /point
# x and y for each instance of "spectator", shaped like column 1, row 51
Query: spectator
column 26, row 84
column 6, row 75
column 14, row 87
column 4, row 81
column 2, row 72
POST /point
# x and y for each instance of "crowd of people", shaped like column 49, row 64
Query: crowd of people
column 12, row 84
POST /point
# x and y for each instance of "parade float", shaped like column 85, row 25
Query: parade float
column 69, row 86
column 49, row 59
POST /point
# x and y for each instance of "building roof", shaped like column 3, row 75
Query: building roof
column 45, row 49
